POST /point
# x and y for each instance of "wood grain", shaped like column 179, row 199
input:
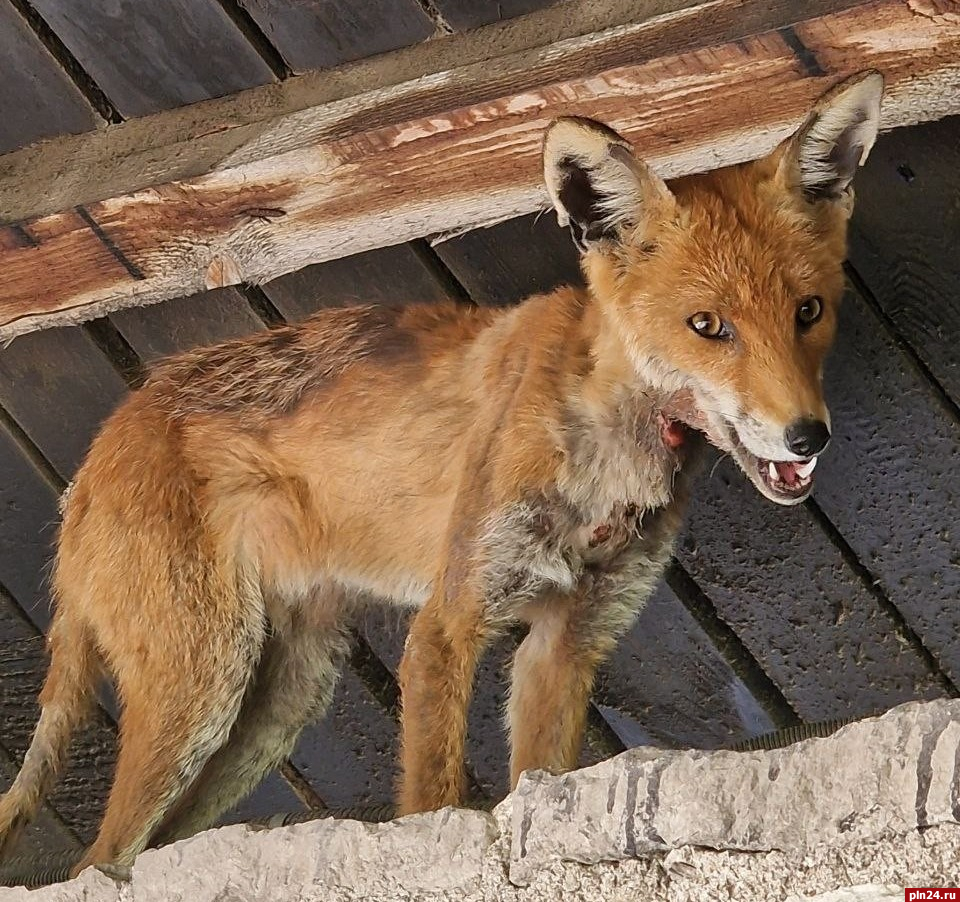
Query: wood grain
column 356, row 280
column 28, row 518
column 512, row 260
column 464, row 14
column 694, row 109
column 888, row 482
column 37, row 98
column 904, row 240
column 153, row 56
column 176, row 325
column 321, row 34
column 58, row 387
column 796, row 604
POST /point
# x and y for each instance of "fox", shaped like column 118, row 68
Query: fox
column 490, row 468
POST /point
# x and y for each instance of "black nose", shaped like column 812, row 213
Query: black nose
column 806, row 437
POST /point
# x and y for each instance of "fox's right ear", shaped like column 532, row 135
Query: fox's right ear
column 598, row 187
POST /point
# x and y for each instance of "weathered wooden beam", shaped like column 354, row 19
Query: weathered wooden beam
column 695, row 88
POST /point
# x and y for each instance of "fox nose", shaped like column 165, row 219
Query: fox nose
column 806, row 437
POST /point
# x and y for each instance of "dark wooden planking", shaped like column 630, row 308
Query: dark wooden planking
column 904, row 239
column 47, row 834
column 272, row 796
column 666, row 684
column 389, row 275
column 28, row 523
column 512, row 260
column 22, row 664
column 385, row 181
column 350, row 756
column 889, row 479
column 25, row 504
column 58, row 387
column 464, row 14
column 155, row 56
column 204, row 319
column 37, row 98
column 321, row 34
column 792, row 599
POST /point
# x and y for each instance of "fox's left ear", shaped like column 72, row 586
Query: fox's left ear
column 821, row 159
column 598, row 186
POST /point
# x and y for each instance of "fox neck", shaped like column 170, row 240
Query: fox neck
column 617, row 449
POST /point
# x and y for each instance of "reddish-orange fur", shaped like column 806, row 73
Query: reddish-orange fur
column 486, row 466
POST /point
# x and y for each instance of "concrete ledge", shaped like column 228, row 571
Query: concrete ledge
column 854, row 817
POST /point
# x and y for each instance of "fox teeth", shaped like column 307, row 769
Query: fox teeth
column 772, row 471
column 804, row 471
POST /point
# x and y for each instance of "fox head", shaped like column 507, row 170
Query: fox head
column 724, row 287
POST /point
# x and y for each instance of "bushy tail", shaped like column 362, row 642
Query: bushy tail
column 65, row 702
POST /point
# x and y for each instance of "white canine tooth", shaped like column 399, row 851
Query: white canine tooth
column 804, row 471
column 772, row 471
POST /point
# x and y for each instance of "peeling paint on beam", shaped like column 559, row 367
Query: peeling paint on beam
column 473, row 165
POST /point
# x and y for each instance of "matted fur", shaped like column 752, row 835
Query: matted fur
column 487, row 467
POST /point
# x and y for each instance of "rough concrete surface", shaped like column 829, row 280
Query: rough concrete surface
column 855, row 817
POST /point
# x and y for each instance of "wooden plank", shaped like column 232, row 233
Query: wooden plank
column 273, row 796
column 667, row 684
column 47, row 835
column 912, row 179
column 389, row 275
column 22, row 664
column 485, row 261
column 58, row 387
column 152, row 56
column 888, row 481
column 321, row 34
column 183, row 323
column 258, row 220
column 464, row 14
column 297, row 113
column 28, row 522
column 37, row 98
column 350, row 756
column 28, row 515
column 792, row 599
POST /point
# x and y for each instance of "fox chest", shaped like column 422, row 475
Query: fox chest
column 547, row 546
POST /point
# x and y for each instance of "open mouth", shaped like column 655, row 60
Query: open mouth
column 783, row 481
column 791, row 479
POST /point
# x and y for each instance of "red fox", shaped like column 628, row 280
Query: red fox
column 488, row 467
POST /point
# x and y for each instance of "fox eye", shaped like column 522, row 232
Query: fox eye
column 809, row 311
column 709, row 325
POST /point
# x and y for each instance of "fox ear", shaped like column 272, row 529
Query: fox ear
column 598, row 187
column 822, row 157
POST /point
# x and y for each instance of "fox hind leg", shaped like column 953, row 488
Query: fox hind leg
column 178, row 707
column 294, row 686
